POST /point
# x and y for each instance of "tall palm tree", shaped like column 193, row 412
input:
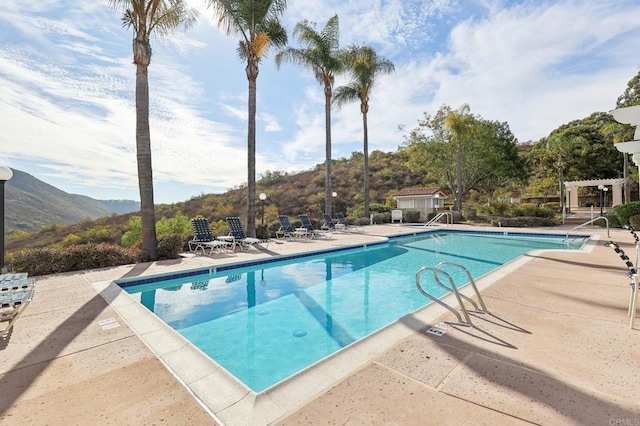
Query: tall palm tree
column 320, row 54
column 145, row 17
column 364, row 66
column 257, row 22
column 458, row 123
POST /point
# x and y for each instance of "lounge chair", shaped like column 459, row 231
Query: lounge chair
column 306, row 222
column 329, row 225
column 287, row 231
column 203, row 237
column 240, row 238
column 13, row 303
column 17, row 284
column 11, row 277
column 349, row 228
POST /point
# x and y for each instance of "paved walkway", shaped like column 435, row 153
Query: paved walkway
column 556, row 349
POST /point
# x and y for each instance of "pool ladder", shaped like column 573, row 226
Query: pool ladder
column 437, row 272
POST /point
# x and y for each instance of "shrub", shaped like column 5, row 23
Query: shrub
column 625, row 211
column 262, row 231
column 381, row 218
column 363, row 221
column 43, row 260
column 411, row 216
column 524, row 222
column 530, row 210
column 170, row 246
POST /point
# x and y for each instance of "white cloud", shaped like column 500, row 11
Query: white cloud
column 67, row 84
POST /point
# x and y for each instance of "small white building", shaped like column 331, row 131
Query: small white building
column 425, row 200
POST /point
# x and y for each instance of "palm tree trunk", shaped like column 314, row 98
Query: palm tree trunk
column 149, row 249
column 252, row 76
column 366, row 164
column 458, row 201
column 328, row 198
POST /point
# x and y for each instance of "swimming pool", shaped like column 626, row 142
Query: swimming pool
column 265, row 321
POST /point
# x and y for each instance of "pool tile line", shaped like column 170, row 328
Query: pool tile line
column 152, row 279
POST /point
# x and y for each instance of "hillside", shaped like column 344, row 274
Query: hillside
column 31, row 204
column 287, row 193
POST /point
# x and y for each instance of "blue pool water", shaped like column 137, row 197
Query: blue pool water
column 267, row 321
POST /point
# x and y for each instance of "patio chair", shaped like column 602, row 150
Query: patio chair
column 347, row 227
column 632, row 273
column 236, row 230
column 306, row 222
column 13, row 303
column 204, row 238
column 287, row 231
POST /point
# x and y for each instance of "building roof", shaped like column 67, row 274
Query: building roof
column 407, row 192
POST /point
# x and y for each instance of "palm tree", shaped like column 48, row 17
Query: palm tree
column 320, row 54
column 145, row 17
column 364, row 66
column 458, row 123
column 257, row 22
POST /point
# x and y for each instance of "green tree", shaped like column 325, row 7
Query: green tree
column 364, row 67
column 488, row 159
column 321, row 55
column 147, row 17
column 258, row 24
column 631, row 95
column 586, row 147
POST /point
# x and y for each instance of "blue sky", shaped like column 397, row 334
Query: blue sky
column 67, row 86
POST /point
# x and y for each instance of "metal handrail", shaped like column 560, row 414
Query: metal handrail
column 588, row 223
column 471, row 281
column 438, row 217
column 436, row 271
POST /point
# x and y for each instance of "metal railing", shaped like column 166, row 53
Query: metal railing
column 437, row 271
column 588, row 223
column 439, row 216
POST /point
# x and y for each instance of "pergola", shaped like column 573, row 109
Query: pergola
column 572, row 195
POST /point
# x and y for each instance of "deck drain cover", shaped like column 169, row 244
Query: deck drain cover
column 109, row 323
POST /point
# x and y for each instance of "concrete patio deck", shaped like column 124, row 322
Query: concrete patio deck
column 556, row 349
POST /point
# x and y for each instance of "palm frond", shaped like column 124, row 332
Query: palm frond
column 345, row 94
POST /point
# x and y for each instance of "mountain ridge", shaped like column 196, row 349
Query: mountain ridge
column 27, row 197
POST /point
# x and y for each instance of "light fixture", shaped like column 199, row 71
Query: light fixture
column 262, row 197
column 5, row 174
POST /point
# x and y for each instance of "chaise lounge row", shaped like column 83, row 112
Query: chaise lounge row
column 15, row 295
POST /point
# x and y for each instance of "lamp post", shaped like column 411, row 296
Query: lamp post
column 605, row 189
column 5, row 175
column 334, row 195
column 262, row 197
column 569, row 201
column 601, row 189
